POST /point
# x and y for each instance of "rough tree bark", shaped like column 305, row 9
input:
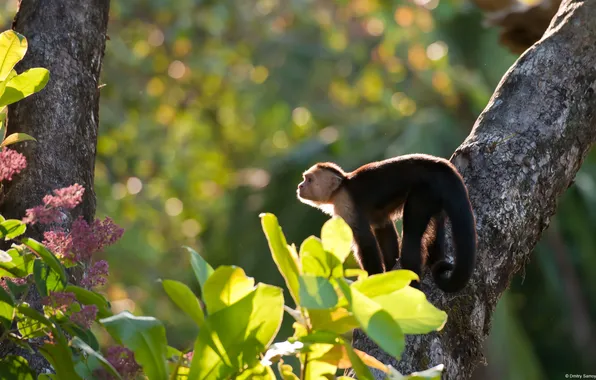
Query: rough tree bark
column 521, row 155
column 68, row 38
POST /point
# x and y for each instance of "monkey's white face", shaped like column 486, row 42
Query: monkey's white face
column 318, row 186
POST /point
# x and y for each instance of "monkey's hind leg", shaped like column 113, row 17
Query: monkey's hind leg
column 419, row 208
column 388, row 243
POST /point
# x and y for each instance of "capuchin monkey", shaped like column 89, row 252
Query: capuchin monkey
column 419, row 187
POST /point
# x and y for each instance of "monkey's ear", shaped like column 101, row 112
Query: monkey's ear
column 335, row 181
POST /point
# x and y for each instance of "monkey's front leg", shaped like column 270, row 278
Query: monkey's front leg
column 367, row 250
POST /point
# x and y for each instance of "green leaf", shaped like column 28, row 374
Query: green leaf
column 338, row 320
column 13, row 47
column 385, row 283
column 225, row 286
column 89, row 297
column 318, row 262
column 201, row 268
column 24, row 84
column 145, row 336
column 337, row 238
column 47, row 256
column 374, row 321
column 412, row 311
column 86, row 336
column 11, row 228
column 258, row 372
column 233, row 337
column 38, row 274
column 6, row 308
column 91, row 352
column 60, row 357
column 185, row 299
column 13, row 264
column 15, row 138
column 285, row 259
column 16, row 368
column 317, row 293
column 362, row 371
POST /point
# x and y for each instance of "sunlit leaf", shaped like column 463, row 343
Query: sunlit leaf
column 337, row 238
column 410, row 308
column 185, row 299
column 11, row 228
column 6, row 308
column 360, row 368
column 13, row 47
column 286, row 372
column 24, row 84
column 385, row 283
column 284, row 258
column 316, row 293
column 374, row 321
column 225, row 286
column 16, row 138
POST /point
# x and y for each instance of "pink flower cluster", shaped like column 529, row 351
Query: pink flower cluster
column 123, row 361
column 62, row 301
column 68, row 198
column 82, row 243
column 11, row 163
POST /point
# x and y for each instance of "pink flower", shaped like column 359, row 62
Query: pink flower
column 59, row 300
column 123, row 361
column 85, row 317
column 11, row 163
column 67, row 197
column 88, row 240
column 59, row 242
column 16, row 281
column 97, row 275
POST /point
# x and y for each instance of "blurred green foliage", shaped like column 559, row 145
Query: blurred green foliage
column 212, row 109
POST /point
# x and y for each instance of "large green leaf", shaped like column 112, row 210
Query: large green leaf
column 145, row 336
column 225, row 286
column 200, row 267
column 11, row 228
column 13, row 47
column 13, row 264
column 46, row 256
column 385, row 283
column 337, row 238
column 91, row 352
column 410, row 308
column 89, row 297
column 318, row 262
column 185, row 299
column 16, row 368
column 60, row 357
column 284, row 257
column 317, row 293
column 24, row 84
column 338, row 320
column 233, row 337
column 374, row 321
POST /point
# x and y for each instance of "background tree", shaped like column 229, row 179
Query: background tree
column 68, row 38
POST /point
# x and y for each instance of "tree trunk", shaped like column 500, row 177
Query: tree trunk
column 68, row 38
column 522, row 154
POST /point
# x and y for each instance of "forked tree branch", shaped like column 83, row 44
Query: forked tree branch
column 522, row 154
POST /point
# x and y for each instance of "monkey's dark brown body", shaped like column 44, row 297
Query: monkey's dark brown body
column 419, row 187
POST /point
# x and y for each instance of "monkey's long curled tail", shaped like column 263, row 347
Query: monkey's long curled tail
column 453, row 277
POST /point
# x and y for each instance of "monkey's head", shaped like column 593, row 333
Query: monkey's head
column 321, row 182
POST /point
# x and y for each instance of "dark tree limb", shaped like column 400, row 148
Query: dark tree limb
column 68, row 38
column 522, row 154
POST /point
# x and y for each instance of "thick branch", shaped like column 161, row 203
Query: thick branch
column 68, row 38
column 522, row 154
